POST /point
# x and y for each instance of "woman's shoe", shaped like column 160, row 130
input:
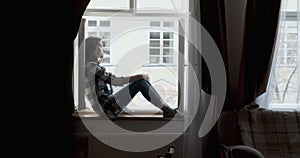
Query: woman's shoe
column 168, row 112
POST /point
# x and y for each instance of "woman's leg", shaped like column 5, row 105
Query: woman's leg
column 125, row 95
column 152, row 96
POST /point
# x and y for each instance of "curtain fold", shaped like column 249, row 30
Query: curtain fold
column 217, row 29
column 211, row 15
column 264, row 100
column 261, row 23
column 255, row 54
column 259, row 36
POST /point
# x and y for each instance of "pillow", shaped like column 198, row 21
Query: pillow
column 276, row 134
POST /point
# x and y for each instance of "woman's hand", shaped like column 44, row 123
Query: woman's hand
column 138, row 77
column 146, row 77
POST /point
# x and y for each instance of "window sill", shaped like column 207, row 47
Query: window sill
column 285, row 106
column 138, row 122
column 160, row 65
column 139, row 115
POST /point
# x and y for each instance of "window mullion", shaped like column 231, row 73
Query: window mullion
column 81, row 70
column 132, row 5
column 161, row 47
column 298, row 58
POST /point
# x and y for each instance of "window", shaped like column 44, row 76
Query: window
column 285, row 74
column 162, row 44
column 132, row 37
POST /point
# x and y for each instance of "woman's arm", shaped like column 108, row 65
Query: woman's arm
column 119, row 81
column 138, row 77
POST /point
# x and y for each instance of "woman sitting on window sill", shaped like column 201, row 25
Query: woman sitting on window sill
column 111, row 103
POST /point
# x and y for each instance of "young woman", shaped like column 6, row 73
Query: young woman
column 113, row 103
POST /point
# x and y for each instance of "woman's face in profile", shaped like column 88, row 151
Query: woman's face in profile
column 100, row 50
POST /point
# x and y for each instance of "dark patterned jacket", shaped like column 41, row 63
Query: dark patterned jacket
column 99, row 82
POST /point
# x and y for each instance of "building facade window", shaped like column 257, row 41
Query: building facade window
column 162, row 43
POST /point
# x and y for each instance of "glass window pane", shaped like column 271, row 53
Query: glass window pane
column 111, row 4
column 292, row 45
column 168, row 35
column 168, row 24
column 286, row 85
column 155, row 23
column 92, row 23
column 105, row 35
column 105, row 60
column 92, row 34
column 154, row 52
column 104, row 23
column 107, row 51
column 168, row 52
column 105, row 43
column 291, row 60
column 168, row 60
column 291, row 36
column 154, row 43
column 168, row 43
column 154, row 60
column 292, row 52
column 154, row 35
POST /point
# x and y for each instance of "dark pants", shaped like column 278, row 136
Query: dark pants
column 126, row 94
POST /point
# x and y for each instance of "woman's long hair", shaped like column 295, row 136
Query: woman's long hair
column 91, row 46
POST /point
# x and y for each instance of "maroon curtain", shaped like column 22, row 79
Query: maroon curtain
column 260, row 30
column 211, row 15
column 259, row 40
column 259, row 33
column 212, row 18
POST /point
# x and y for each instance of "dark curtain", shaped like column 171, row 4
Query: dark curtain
column 70, row 28
column 259, row 40
column 41, row 77
column 49, row 79
column 261, row 22
column 259, row 35
column 217, row 29
column 212, row 18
